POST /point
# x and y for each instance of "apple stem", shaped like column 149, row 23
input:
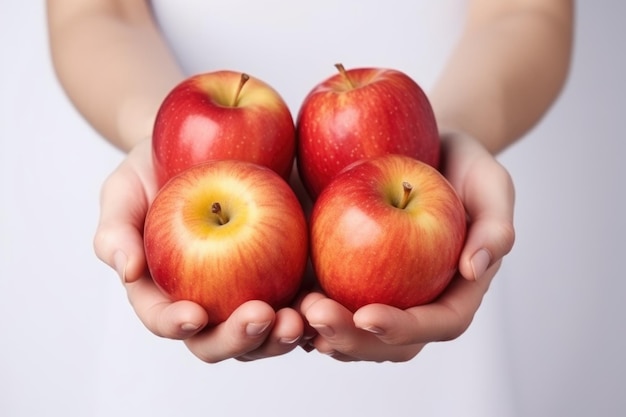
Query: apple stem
column 407, row 188
column 216, row 208
column 344, row 74
column 242, row 81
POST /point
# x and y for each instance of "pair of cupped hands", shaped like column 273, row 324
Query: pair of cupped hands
column 373, row 333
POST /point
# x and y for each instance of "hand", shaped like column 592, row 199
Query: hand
column 253, row 331
column 382, row 333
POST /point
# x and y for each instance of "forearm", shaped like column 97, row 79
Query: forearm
column 507, row 70
column 113, row 63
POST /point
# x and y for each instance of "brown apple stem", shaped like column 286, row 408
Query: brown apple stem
column 344, row 74
column 242, row 81
column 216, row 208
column 407, row 188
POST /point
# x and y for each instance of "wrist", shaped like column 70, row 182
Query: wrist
column 135, row 122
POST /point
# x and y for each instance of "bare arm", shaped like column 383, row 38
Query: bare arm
column 113, row 63
column 116, row 68
column 508, row 68
column 506, row 71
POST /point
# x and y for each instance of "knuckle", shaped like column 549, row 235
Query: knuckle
column 102, row 242
column 506, row 232
column 207, row 357
column 202, row 352
column 458, row 322
column 405, row 355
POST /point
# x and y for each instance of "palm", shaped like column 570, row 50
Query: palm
column 253, row 331
column 378, row 332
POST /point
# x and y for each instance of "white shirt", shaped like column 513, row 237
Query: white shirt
column 293, row 45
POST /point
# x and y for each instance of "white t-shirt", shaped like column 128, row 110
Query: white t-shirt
column 293, row 46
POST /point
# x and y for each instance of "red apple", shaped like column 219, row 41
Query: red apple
column 222, row 115
column 225, row 232
column 387, row 230
column 362, row 113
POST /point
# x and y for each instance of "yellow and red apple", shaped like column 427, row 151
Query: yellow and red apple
column 386, row 230
column 225, row 232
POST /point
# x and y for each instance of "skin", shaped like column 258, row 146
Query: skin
column 504, row 74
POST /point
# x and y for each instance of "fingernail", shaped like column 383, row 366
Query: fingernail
column 480, row 262
column 189, row 327
column 324, row 330
column 119, row 261
column 255, row 329
column 373, row 329
column 286, row 341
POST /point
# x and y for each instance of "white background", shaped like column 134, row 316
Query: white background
column 71, row 345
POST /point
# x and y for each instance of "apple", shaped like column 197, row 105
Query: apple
column 222, row 115
column 225, row 232
column 388, row 230
column 362, row 113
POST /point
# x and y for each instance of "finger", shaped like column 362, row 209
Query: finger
column 333, row 322
column 284, row 337
column 301, row 305
column 118, row 240
column 445, row 319
column 489, row 199
column 488, row 194
column 172, row 320
column 340, row 339
column 244, row 331
column 307, row 300
column 124, row 200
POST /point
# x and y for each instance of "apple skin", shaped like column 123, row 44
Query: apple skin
column 365, row 249
column 203, row 118
column 362, row 113
column 260, row 253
